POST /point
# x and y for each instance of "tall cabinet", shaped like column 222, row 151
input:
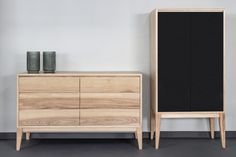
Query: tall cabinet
column 188, row 58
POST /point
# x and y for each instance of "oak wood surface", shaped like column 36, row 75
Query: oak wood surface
column 52, row 117
column 109, row 84
column 113, row 117
column 29, row 101
column 109, row 100
column 191, row 10
column 209, row 115
column 212, row 127
column 49, row 84
column 63, row 129
column 27, row 136
column 188, row 114
column 19, row 134
column 139, row 138
column 158, row 127
column 154, row 73
column 222, row 129
column 83, row 74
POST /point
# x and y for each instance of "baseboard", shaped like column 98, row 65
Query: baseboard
column 164, row 134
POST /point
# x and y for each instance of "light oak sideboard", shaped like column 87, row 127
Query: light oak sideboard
column 79, row 102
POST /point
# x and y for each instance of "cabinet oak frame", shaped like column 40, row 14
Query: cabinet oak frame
column 156, row 116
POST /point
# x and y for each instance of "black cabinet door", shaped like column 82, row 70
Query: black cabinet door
column 206, row 61
column 173, row 61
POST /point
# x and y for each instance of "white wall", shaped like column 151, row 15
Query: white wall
column 95, row 35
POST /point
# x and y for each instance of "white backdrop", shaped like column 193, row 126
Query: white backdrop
column 96, row 35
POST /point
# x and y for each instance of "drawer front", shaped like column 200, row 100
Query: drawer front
column 109, row 101
column 29, row 101
column 109, row 84
column 109, row 117
column 49, row 117
column 48, row 84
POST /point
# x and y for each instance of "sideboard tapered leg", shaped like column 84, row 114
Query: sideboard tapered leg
column 139, row 138
column 27, row 136
column 18, row 138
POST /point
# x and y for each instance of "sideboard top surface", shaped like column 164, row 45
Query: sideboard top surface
column 84, row 73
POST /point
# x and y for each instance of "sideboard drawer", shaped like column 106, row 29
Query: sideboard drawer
column 109, row 117
column 49, row 84
column 49, row 117
column 109, row 84
column 109, row 100
column 28, row 101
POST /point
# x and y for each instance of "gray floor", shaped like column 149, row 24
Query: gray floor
column 118, row 148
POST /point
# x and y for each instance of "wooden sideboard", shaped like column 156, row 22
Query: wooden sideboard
column 79, row 102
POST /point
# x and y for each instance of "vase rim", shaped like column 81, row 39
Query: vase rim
column 33, row 51
column 49, row 51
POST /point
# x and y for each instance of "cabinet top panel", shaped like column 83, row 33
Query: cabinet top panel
column 191, row 10
column 84, row 73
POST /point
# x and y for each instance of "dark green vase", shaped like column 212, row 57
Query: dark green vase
column 33, row 61
column 49, row 61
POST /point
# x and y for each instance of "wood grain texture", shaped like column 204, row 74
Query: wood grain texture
column 154, row 73
column 19, row 134
column 49, row 84
column 83, row 74
column 212, row 127
column 139, row 138
column 53, row 103
column 17, row 101
column 109, row 84
column 158, row 127
column 49, row 117
column 27, row 136
column 112, row 117
column 29, row 101
column 191, row 10
column 209, row 115
column 225, row 85
column 188, row 114
column 222, row 129
column 109, row 100
column 64, row 129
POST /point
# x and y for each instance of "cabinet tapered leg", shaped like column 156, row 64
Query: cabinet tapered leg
column 158, row 125
column 153, row 126
column 212, row 127
column 18, row 138
column 139, row 138
column 222, row 129
column 27, row 136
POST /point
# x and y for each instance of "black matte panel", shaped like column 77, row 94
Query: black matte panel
column 207, row 61
column 173, row 78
